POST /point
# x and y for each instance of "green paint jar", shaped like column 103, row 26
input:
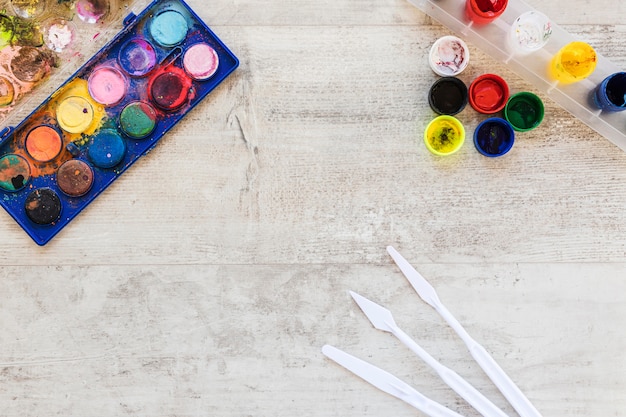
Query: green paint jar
column 524, row 111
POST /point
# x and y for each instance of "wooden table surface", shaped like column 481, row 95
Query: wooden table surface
column 205, row 281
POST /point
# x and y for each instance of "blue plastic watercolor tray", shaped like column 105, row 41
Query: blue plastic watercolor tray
column 31, row 189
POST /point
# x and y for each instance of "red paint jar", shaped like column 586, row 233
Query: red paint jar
column 488, row 93
column 484, row 11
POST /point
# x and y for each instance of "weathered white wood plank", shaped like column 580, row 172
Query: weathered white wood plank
column 312, row 152
column 246, row 340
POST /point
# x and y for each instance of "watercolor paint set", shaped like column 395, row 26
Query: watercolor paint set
column 112, row 111
column 567, row 70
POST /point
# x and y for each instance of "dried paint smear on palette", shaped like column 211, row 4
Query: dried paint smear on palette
column 37, row 36
column 107, row 115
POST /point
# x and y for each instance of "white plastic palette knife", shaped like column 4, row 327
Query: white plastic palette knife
column 388, row 383
column 382, row 319
column 507, row 387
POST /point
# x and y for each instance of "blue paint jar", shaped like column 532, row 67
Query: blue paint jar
column 610, row 95
column 494, row 137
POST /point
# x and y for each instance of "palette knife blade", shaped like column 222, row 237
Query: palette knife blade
column 388, row 383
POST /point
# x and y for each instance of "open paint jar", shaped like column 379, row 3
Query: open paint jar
column 43, row 206
column 28, row 8
column 43, row 143
column 138, row 120
column 610, row 95
column 74, row 114
column 574, row 62
column 7, row 92
column 107, row 149
column 484, row 11
column 494, row 137
column 529, row 32
column 75, row 177
column 524, row 111
column 449, row 56
column 170, row 89
column 58, row 34
column 448, row 95
column 91, row 11
column 444, row 135
column 30, row 65
column 488, row 93
column 14, row 172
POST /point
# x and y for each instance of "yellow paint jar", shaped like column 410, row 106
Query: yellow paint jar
column 75, row 114
column 574, row 62
column 444, row 135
